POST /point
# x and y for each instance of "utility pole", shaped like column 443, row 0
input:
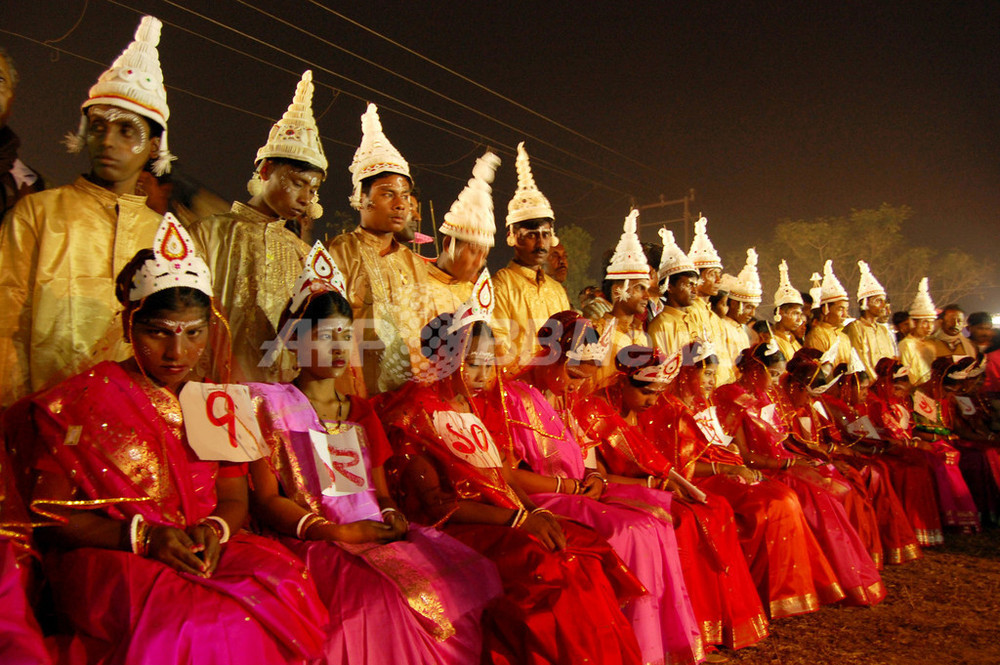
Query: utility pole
column 684, row 219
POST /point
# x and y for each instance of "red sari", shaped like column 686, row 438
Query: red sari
column 723, row 593
column 754, row 413
column 789, row 569
column 557, row 607
column 908, row 467
column 980, row 461
column 119, row 443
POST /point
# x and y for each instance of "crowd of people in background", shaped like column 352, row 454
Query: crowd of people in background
column 224, row 445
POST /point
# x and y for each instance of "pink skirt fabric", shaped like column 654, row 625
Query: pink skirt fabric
column 663, row 619
column 20, row 638
column 419, row 590
column 958, row 508
column 259, row 607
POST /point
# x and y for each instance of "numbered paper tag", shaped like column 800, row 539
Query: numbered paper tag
column 708, row 423
column 220, row 423
column 590, row 457
column 902, row 415
column 341, row 457
column 924, row 405
column 864, row 428
column 820, row 409
column 467, row 438
column 965, row 405
column 807, row 424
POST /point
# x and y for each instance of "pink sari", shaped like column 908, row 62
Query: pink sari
column 119, row 442
column 430, row 588
column 635, row 520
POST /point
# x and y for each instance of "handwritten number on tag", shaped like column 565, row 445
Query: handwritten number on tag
column 352, row 460
column 228, row 417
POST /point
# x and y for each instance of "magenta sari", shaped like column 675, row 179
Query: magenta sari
column 119, row 442
column 430, row 588
column 635, row 520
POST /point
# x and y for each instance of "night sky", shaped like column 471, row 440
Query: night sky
column 768, row 110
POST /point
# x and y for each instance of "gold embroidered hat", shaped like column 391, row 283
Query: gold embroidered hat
column 786, row 293
column 528, row 202
column 703, row 253
column 471, row 216
column 748, row 287
column 296, row 136
column 628, row 261
column 375, row 155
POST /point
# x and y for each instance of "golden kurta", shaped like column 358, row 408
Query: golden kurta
column 60, row 251
column 737, row 340
column 255, row 261
column 386, row 291
column 787, row 345
column 917, row 355
column 525, row 299
column 952, row 345
column 872, row 341
column 705, row 324
column 669, row 330
column 441, row 294
column 624, row 335
column 821, row 338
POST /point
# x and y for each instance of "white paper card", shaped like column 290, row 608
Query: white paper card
column 468, row 439
column 965, row 405
column 864, row 428
column 924, row 405
column 340, row 455
column 820, row 409
column 708, row 423
column 220, row 423
column 767, row 413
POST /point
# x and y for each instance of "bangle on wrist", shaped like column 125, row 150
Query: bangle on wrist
column 558, row 484
column 715, row 469
column 219, row 525
column 390, row 509
column 133, row 532
column 306, row 521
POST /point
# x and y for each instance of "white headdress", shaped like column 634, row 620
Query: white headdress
column 528, row 202
column 296, row 137
column 673, row 260
column 479, row 306
column 320, row 275
column 375, row 155
column 868, row 286
column 923, row 306
column 665, row 372
column 786, row 293
column 471, row 215
column 816, row 292
column 748, row 287
column 594, row 351
column 703, row 253
column 628, row 261
column 174, row 263
column 697, row 351
column 134, row 83
column 832, row 290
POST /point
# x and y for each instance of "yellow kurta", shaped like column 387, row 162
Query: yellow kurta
column 705, row 324
column 255, row 261
column 440, row 293
column 60, row 251
column 525, row 299
column 624, row 335
column 821, row 338
column 917, row 355
column 737, row 340
column 872, row 341
column 384, row 290
column 788, row 345
column 669, row 330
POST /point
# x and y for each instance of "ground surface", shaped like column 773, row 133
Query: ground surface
column 943, row 609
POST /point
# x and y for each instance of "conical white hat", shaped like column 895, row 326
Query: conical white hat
column 528, row 202
column 471, row 215
column 375, row 155
column 748, row 287
column 296, row 136
column 816, row 292
column 134, row 82
column 868, row 286
column 786, row 293
column 923, row 306
column 703, row 253
column 832, row 290
column 629, row 261
column 673, row 260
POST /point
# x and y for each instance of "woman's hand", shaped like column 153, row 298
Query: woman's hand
column 743, row 473
column 545, row 528
column 592, row 486
column 397, row 522
column 362, row 531
column 176, row 549
column 207, row 539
